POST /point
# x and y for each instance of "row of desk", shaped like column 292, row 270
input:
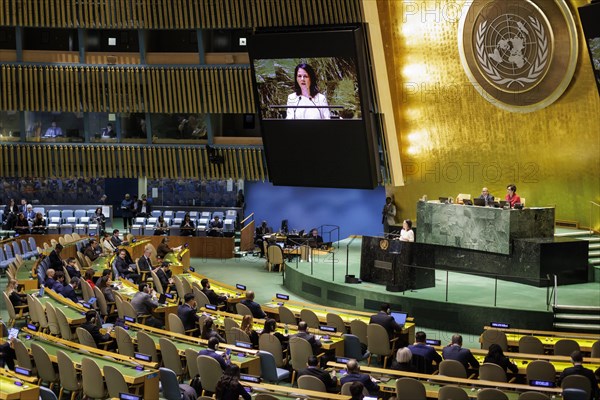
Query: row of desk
column 548, row 338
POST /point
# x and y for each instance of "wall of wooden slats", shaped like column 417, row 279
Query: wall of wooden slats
column 126, row 89
column 177, row 14
column 118, row 161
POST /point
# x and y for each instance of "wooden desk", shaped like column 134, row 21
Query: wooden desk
column 147, row 378
column 101, row 263
column 24, row 274
column 286, row 392
column 548, row 338
column 433, row 383
column 136, row 250
column 234, row 295
column 200, row 246
column 249, row 362
column 272, row 308
column 9, row 390
column 335, row 341
column 180, row 261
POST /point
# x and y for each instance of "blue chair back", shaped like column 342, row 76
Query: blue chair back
column 170, row 385
column 66, row 214
column 47, row 394
column 352, row 347
column 574, row 394
column 17, row 249
column 268, row 368
column 79, row 213
column 8, row 251
column 53, row 213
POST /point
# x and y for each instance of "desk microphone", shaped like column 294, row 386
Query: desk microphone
column 295, row 108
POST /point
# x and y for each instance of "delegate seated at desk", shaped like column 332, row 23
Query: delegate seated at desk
column 316, row 240
column 486, row 196
column 53, row 131
column 215, row 227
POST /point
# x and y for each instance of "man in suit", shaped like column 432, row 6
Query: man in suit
column 116, row 240
column 68, row 291
column 91, row 326
column 187, row 312
column 56, row 262
column 143, row 304
column 164, row 275
column 454, row 351
column 143, row 208
column 310, row 338
column 312, row 369
column 354, row 375
column 29, row 213
column 92, row 251
column 212, row 296
column 428, row 353
column 384, row 319
column 486, row 196
column 254, row 307
column 579, row 369
column 211, row 351
column 59, row 278
column 124, row 268
column 72, row 268
column 144, row 263
column 50, row 281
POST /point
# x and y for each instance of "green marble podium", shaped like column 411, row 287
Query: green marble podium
column 487, row 229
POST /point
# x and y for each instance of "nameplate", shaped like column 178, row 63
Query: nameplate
column 240, row 287
column 383, row 265
column 499, row 325
column 282, row 296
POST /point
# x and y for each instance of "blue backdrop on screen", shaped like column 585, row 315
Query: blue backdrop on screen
column 355, row 211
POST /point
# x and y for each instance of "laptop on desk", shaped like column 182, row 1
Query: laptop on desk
column 399, row 317
column 479, row 202
column 443, row 199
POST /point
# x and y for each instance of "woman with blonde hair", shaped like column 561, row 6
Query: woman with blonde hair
column 248, row 327
column 403, row 360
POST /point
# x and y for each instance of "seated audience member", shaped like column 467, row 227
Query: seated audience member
column 309, row 337
column 312, row 369
column 211, row 351
column 254, row 307
column 53, row 131
column 144, row 304
column 59, row 282
column 143, row 208
column 125, row 269
column 511, row 195
column 116, row 240
column 49, row 282
column 106, row 289
column 486, row 196
column 384, row 319
column 72, row 268
column 215, row 227
column 455, row 351
column 38, row 225
column 579, row 369
column 403, row 360
column 17, row 299
column 187, row 227
column 163, row 248
column 496, row 356
column 91, row 325
column 68, row 291
column 407, row 234
column 164, row 274
column 22, row 225
column 89, row 277
column 248, row 327
column 316, row 239
column 271, row 327
column 145, row 263
column 428, row 353
column 107, row 244
column 8, row 355
column 56, row 262
column 261, row 231
column 229, row 387
column 354, row 375
column 161, row 228
column 212, row 296
column 29, row 213
column 208, row 332
column 187, row 312
column 356, row 391
column 92, row 250
column 99, row 219
column 105, row 272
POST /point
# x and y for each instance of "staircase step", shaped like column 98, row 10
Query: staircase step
column 594, row 253
column 594, row 245
column 577, row 327
column 579, row 317
column 595, row 262
column 573, row 233
column 564, row 307
column 591, row 239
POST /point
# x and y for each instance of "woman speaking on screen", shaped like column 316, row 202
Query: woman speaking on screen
column 306, row 101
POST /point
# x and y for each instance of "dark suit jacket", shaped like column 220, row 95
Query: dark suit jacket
column 91, row 253
column 162, row 250
column 188, row 316
column 116, row 241
column 257, row 312
column 55, row 261
column 588, row 373
column 213, row 297
column 138, row 209
column 310, row 338
column 73, row 272
column 428, row 353
column 69, row 293
column 145, row 264
column 122, row 266
column 95, row 332
column 387, row 321
column 163, row 278
column 330, row 384
column 362, row 378
column 504, row 363
column 216, row 356
column 460, row 354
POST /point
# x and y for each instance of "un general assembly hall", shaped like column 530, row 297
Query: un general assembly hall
column 300, row 199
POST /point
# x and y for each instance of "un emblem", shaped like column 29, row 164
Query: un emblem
column 519, row 54
column 384, row 244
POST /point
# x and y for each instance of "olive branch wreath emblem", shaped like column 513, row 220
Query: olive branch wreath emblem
column 536, row 69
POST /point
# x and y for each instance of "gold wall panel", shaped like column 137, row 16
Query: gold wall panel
column 454, row 141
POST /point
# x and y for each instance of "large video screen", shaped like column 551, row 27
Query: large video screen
column 314, row 96
column 590, row 15
column 310, row 88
